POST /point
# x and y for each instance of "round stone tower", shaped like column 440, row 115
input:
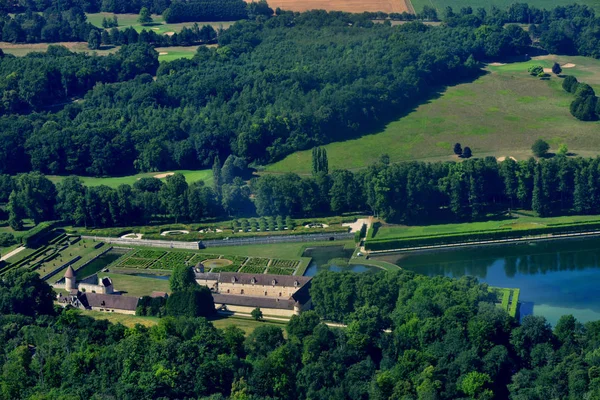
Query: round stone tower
column 69, row 278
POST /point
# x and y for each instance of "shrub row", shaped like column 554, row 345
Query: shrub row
column 37, row 234
column 399, row 243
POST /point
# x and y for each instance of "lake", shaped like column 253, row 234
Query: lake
column 332, row 258
column 555, row 278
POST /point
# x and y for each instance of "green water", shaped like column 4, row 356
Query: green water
column 555, row 278
column 332, row 258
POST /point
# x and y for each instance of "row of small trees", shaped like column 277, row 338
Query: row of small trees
column 585, row 106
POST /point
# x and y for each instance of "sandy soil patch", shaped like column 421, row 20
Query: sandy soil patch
column 496, row 64
column 132, row 236
column 163, row 53
column 169, row 33
column 548, row 70
column 500, row 159
column 155, row 29
column 356, row 226
column 569, row 65
column 162, row 176
column 174, row 233
column 316, row 225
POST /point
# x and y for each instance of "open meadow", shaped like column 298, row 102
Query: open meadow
column 500, row 114
column 164, row 53
column 456, row 5
column 113, row 182
column 158, row 25
column 353, row 6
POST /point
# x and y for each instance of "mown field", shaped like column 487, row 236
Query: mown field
column 500, row 114
column 353, row 6
column 518, row 222
column 164, row 53
column 190, row 176
column 158, row 25
column 502, row 4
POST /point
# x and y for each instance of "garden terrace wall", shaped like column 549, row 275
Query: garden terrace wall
column 466, row 237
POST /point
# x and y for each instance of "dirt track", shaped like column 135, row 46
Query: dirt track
column 354, row 6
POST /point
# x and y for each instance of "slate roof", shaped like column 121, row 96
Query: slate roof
column 159, row 294
column 210, row 276
column 109, row 301
column 70, row 273
column 247, row 301
column 264, row 279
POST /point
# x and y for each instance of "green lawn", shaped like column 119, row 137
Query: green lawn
column 517, row 223
column 190, row 176
column 280, row 250
column 158, row 25
column 245, row 324
column 509, row 299
column 500, row 114
column 174, row 53
column 502, row 4
column 137, row 285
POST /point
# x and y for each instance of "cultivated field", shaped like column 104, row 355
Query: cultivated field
column 158, row 26
column 353, row 6
column 190, row 176
column 164, row 53
column 500, row 114
column 502, row 4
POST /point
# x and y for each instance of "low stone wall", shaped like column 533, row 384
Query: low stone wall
column 172, row 244
column 317, row 237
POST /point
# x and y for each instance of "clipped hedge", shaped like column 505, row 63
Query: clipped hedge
column 400, row 243
column 36, row 234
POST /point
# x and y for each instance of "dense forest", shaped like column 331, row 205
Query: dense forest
column 404, row 192
column 269, row 89
column 407, row 337
column 206, row 10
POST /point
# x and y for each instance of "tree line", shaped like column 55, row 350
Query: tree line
column 445, row 339
column 205, row 10
column 186, row 37
column 39, row 80
column 50, row 27
column 413, row 192
column 248, row 97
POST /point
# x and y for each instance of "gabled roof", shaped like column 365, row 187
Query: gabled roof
column 264, row 279
column 109, row 301
column 70, row 273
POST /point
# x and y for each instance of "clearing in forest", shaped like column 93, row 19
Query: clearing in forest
column 353, row 6
column 500, row 114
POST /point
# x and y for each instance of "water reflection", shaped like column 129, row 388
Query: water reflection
column 333, row 258
column 555, row 277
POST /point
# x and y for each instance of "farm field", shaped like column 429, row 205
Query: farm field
column 502, row 4
column 520, row 221
column 353, row 6
column 158, row 26
column 190, row 176
column 500, row 114
column 164, row 53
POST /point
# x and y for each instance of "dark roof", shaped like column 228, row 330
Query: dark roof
column 302, row 295
column 106, row 281
column 159, row 294
column 247, row 301
column 70, row 273
column 265, row 279
column 109, row 301
column 211, row 276
column 91, row 280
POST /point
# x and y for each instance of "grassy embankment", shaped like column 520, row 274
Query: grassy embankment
column 500, row 114
column 520, row 225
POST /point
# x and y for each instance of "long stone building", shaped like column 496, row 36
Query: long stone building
column 276, row 295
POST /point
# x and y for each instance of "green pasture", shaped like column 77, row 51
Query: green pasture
column 518, row 222
column 456, row 5
column 500, row 114
column 131, row 285
column 158, row 25
column 190, row 176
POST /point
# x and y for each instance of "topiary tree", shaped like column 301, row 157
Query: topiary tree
column 536, row 70
column 540, row 148
column 257, row 314
column 458, row 149
column 570, row 84
column 467, row 152
column 556, row 69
